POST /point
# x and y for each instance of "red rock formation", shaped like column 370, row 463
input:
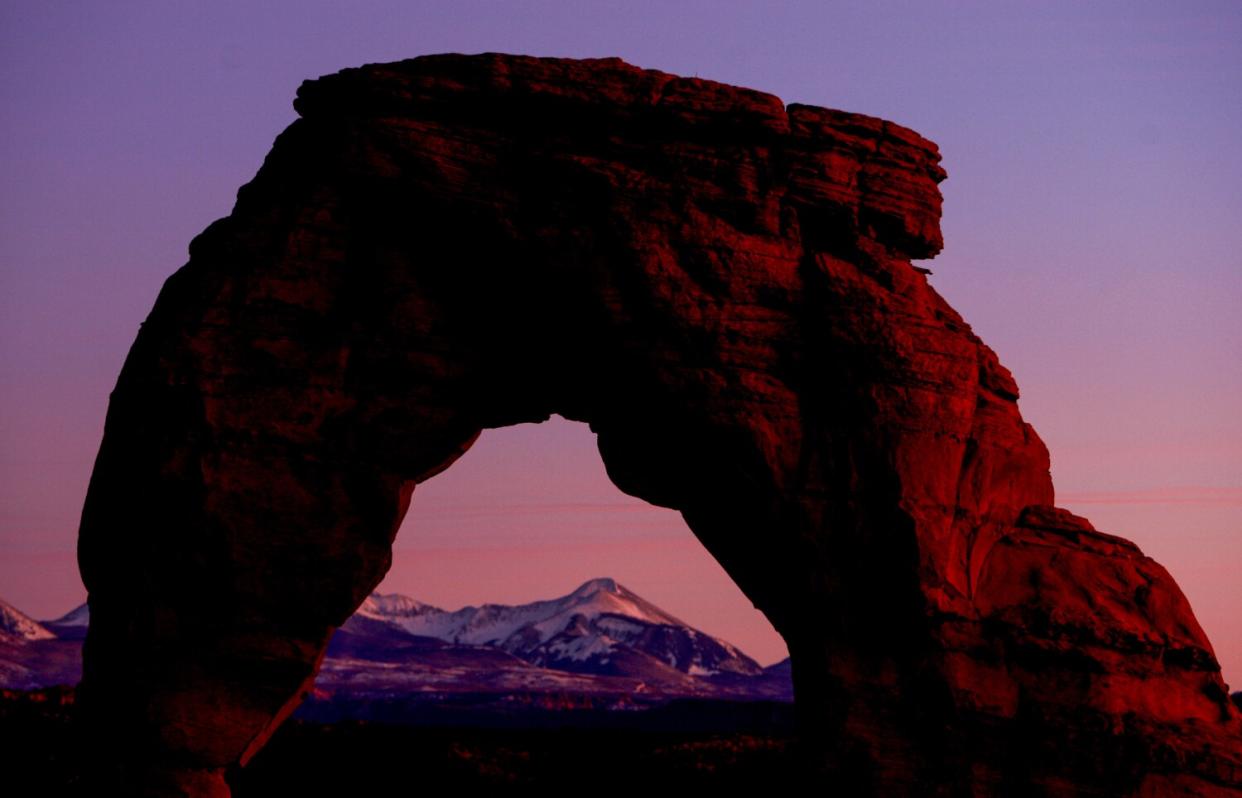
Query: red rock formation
column 721, row 286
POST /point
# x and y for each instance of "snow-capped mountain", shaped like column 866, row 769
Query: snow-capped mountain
column 16, row 624
column 600, row 628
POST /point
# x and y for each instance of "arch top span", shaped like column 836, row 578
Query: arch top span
column 721, row 286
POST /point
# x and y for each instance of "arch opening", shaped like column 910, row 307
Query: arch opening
column 529, row 513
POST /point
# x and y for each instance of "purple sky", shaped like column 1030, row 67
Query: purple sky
column 1093, row 226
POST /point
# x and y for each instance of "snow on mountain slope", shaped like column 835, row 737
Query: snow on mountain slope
column 602, row 627
column 392, row 605
column 16, row 624
column 494, row 624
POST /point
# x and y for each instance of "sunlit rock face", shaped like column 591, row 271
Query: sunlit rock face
column 721, row 286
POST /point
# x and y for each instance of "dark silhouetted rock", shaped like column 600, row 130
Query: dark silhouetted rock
column 721, row 286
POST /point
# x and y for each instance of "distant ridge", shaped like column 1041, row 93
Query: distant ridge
column 601, row 641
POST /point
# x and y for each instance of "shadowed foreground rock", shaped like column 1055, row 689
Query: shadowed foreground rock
column 721, row 286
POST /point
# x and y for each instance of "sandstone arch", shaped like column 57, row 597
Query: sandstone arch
column 721, row 287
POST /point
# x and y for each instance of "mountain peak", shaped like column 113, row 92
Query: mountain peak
column 601, row 584
column 16, row 623
column 393, row 605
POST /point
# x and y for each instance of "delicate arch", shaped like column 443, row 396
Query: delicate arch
column 721, row 287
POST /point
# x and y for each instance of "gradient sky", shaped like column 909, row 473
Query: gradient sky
column 1093, row 227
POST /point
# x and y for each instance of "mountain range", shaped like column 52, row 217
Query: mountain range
column 600, row 646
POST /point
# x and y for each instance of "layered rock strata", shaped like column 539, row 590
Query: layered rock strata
column 721, row 286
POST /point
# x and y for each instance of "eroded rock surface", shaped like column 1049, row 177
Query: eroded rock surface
column 721, row 286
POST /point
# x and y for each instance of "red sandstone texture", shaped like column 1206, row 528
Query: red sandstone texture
column 718, row 283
